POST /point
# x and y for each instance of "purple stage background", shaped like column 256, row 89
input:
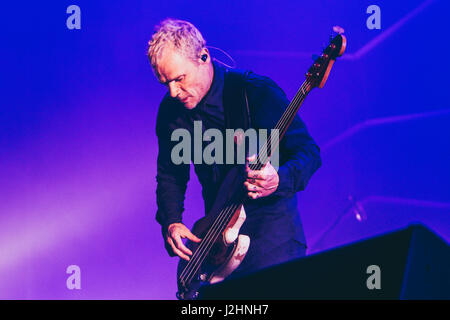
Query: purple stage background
column 78, row 148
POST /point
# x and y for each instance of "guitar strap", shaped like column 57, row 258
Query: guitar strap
column 235, row 102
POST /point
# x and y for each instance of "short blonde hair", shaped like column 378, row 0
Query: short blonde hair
column 180, row 34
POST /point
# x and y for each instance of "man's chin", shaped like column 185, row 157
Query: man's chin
column 189, row 105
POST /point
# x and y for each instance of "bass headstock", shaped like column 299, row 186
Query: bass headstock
column 318, row 73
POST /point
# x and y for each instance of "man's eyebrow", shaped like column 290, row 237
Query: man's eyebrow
column 172, row 79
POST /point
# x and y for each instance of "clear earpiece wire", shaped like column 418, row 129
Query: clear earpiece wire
column 226, row 54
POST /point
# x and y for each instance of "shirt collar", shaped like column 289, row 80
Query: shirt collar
column 214, row 97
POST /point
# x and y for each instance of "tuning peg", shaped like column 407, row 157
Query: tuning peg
column 338, row 29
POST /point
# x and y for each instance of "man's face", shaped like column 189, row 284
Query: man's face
column 187, row 80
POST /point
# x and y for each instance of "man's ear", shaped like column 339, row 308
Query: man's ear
column 204, row 55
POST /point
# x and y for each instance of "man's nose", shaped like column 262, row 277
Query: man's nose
column 173, row 89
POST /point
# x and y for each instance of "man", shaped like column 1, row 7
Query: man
column 197, row 92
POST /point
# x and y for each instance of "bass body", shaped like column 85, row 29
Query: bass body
column 222, row 248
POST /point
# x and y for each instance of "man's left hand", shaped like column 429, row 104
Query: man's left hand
column 261, row 183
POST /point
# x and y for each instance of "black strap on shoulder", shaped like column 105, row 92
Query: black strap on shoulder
column 235, row 102
column 236, row 109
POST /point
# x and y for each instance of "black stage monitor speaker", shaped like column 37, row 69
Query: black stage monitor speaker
column 411, row 263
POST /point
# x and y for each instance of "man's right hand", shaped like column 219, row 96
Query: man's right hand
column 176, row 232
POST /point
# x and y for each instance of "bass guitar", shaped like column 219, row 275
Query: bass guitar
column 222, row 248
